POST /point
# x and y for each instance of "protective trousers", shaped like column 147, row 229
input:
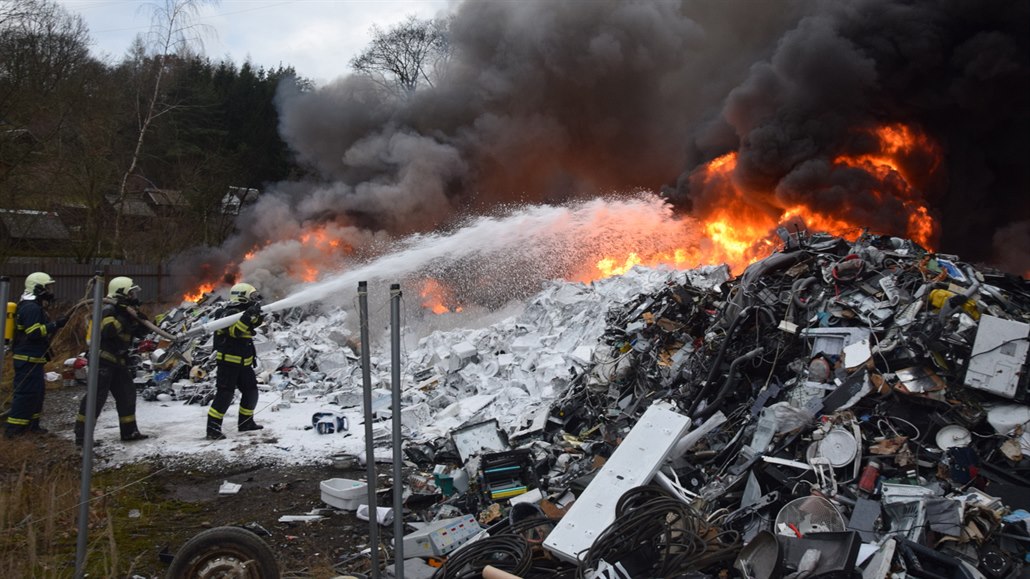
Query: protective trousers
column 232, row 376
column 117, row 381
column 27, row 401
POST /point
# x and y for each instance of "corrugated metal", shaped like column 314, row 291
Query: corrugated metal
column 73, row 279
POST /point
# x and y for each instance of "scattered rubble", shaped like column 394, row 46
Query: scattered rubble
column 839, row 409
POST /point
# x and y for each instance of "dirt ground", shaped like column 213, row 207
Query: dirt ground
column 155, row 508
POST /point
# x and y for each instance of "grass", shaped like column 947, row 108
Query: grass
column 39, row 509
column 39, row 499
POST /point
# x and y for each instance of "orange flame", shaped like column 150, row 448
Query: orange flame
column 897, row 142
column 740, row 227
column 434, row 295
column 320, row 239
column 198, row 293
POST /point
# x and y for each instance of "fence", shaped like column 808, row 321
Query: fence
column 157, row 285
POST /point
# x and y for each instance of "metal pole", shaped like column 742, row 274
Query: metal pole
column 370, row 459
column 91, row 419
column 398, row 485
column 5, row 290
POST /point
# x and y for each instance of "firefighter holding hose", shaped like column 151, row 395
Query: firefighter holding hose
column 121, row 323
column 235, row 356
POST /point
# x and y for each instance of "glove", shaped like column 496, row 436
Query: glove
column 254, row 309
column 61, row 322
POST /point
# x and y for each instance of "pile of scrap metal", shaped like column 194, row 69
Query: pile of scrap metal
column 841, row 409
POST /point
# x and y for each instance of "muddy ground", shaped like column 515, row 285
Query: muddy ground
column 155, row 508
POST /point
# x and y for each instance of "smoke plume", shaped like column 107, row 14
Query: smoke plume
column 546, row 102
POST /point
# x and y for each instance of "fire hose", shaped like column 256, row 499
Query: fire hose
column 215, row 325
column 135, row 315
column 209, row 327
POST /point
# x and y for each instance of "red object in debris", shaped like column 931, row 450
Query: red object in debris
column 79, row 363
column 848, row 268
column 871, row 472
column 146, row 346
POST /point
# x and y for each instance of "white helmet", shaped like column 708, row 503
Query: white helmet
column 38, row 284
column 243, row 293
column 122, row 288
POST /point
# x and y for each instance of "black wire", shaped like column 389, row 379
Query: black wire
column 662, row 530
column 508, row 552
column 1006, row 342
column 526, row 525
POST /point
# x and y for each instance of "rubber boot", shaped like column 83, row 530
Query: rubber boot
column 214, row 428
column 35, row 428
column 130, row 432
column 247, row 421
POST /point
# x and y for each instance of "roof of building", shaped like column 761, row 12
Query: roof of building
column 166, row 197
column 28, row 224
column 134, row 206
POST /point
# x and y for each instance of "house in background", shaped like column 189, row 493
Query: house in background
column 135, row 207
column 165, row 201
column 33, row 233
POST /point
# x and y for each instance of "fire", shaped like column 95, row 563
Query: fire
column 609, row 267
column 434, row 297
column 898, row 142
column 321, row 239
column 733, row 222
column 740, row 224
column 198, row 293
column 304, row 270
column 316, row 248
column 816, row 221
column 319, row 248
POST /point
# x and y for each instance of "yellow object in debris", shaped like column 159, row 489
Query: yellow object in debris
column 939, row 297
column 9, row 323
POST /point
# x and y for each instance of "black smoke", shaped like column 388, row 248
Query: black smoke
column 545, row 101
column 957, row 71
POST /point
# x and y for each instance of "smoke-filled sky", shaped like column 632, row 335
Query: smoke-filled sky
column 544, row 102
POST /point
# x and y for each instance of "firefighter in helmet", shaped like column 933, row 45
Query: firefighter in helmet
column 235, row 356
column 31, row 350
column 121, row 323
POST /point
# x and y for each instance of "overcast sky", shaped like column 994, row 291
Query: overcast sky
column 317, row 37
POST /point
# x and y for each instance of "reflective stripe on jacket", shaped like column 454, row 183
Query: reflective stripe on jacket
column 32, row 332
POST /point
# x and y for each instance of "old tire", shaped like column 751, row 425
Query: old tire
column 224, row 552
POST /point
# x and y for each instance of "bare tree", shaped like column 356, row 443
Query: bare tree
column 173, row 30
column 44, row 63
column 403, row 57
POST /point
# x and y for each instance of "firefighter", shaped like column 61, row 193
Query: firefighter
column 235, row 355
column 120, row 324
column 31, row 349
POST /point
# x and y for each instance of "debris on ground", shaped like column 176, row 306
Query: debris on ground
column 841, row 408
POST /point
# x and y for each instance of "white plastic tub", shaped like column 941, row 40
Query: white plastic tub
column 344, row 493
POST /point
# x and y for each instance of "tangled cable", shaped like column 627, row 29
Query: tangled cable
column 657, row 535
column 509, row 552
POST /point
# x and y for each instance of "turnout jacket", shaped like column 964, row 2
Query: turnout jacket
column 32, row 331
column 235, row 344
column 118, row 329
